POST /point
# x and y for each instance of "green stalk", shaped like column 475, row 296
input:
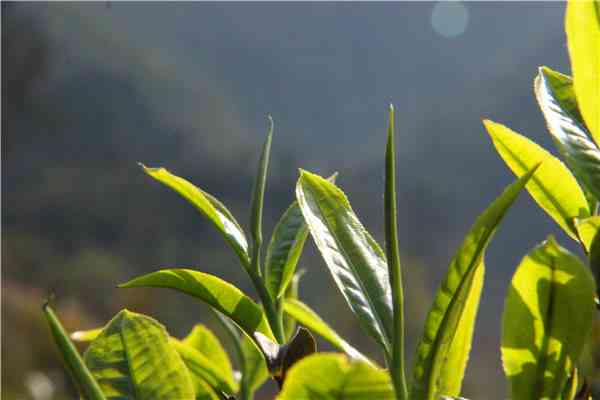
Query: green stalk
column 87, row 385
column 393, row 260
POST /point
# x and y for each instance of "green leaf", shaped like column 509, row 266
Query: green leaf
column 443, row 350
column 582, row 24
column 210, row 207
column 132, row 358
column 355, row 260
column 203, row 340
column 307, row 317
column 392, row 253
column 86, row 336
column 547, row 317
column 258, row 195
column 587, row 228
column 553, row 186
column 205, row 369
column 555, row 95
column 333, row 377
column 255, row 372
column 214, row 291
column 291, row 293
column 83, row 378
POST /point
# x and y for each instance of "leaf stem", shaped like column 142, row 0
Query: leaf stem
column 393, row 260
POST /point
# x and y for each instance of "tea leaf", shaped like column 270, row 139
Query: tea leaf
column 582, row 24
column 443, row 350
column 547, row 317
column 555, row 95
column 587, row 229
column 83, row 378
column 132, row 358
column 553, row 186
column 355, row 260
column 333, row 377
column 210, row 207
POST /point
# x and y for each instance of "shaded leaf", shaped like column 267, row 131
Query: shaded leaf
column 83, row 378
column 555, row 95
column 210, row 207
column 132, row 358
column 214, row 291
column 553, row 186
column 547, row 317
column 582, row 24
column 333, row 377
column 291, row 293
column 355, row 260
column 255, row 371
column 307, row 317
column 443, row 350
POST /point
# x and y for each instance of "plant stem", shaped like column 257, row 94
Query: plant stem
column 273, row 317
column 395, row 272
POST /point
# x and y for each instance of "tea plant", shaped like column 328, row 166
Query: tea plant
column 548, row 312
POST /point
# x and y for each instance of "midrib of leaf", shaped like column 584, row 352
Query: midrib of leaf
column 541, row 187
column 380, row 325
column 129, row 362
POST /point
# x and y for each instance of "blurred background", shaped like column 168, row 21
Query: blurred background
column 88, row 90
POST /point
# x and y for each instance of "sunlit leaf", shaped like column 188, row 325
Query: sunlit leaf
column 210, row 207
column 133, row 358
column 333, row 377
column 214, row 291
column 309, row 318
column 355, row 260
column 582, row 24
column 587, row 228
column 443, row 350
column 547, row 317
column 83, row 378
column 553, row 186
column 555, row 95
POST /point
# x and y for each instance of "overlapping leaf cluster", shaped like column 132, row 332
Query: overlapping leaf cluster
column 548, row 311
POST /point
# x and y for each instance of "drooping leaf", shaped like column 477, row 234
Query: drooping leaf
column 443, row 350
column 553, row 186
column 355, row 260
column 587, row 228
column 547, row 317
column 556, row 97
column 203, row 340
column 210, row 207
column 309, row 318
column 285, row 248
column 205, row 369
column 582, row 24
column 214, row 291
column 333, row 377
column 83, row 378
column 133, row 358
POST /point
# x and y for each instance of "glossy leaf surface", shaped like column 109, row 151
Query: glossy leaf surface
column 309, row 318
column 582, row 24
column 443, row 350
column 210, row 207
column 355, row 260
column 587, row 229
column 553, row 187
column 133, row 358
column 214, row 291
column 555, row 95
column 547, row 317
column 333, row 377
column 83, row 378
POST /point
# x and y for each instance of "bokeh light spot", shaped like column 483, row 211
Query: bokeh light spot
column 449, row 18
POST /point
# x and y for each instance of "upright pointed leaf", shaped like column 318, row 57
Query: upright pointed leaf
column 553, row 186
column 309, row 318
column 443, row 350
column 355, row 260
column 333, row 377
column 204, row 341
column 214, row 291
column 255, row 372
column 133, row 358
column 555, row 95
column 547, row 317
column 210, row 207
column 83, row 378
column 583, row 37
column 291, row 293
